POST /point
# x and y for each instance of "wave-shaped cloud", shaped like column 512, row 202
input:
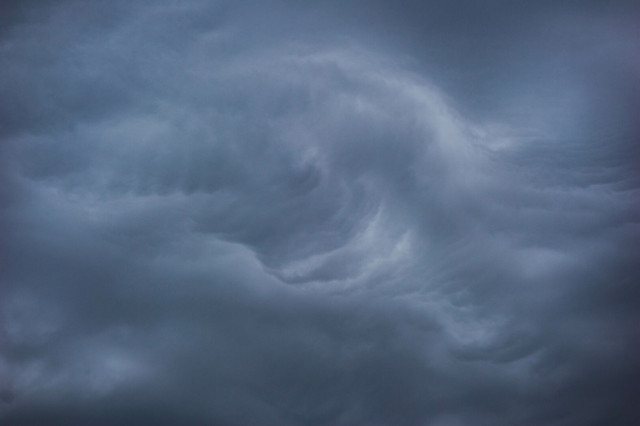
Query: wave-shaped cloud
column 235, row 215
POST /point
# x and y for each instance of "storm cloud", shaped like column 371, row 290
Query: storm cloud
column 339, row 213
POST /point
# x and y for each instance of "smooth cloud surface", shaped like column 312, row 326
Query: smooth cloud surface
column 389, row 213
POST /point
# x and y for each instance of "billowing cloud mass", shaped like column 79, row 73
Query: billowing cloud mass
column 329, row 213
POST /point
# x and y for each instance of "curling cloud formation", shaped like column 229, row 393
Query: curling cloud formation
column 218, row 214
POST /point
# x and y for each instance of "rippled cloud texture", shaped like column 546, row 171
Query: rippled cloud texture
column 339, row 213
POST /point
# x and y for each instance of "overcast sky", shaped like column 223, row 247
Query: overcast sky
column 320, row 213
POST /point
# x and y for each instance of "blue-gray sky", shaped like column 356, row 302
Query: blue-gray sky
column 330, row 213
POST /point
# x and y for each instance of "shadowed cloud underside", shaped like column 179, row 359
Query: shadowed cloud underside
column 268, row 213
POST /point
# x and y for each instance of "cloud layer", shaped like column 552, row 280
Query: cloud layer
column 386, row 213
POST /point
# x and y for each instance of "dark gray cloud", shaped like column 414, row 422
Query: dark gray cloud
column 380, row 213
